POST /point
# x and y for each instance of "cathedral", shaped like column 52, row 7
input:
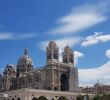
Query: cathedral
column 54, row 75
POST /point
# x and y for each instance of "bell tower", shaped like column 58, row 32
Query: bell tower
column 52, row 51
column 68, row 55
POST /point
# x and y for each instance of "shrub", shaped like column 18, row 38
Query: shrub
column 98, row 97
column 62, row 98
column 42, row 98
column 106, row 97
column 80, row 97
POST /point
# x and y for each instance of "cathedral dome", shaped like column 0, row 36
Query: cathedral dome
column 25, row 59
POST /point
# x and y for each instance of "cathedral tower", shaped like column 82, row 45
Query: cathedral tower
column 52, row 51
column 68, row 55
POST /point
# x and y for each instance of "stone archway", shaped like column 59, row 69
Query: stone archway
column 64, row 82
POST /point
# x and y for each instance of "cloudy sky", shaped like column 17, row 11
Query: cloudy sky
column 84, row 25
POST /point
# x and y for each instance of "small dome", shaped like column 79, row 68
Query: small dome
column 52, row 44
column 25, row 59
column 10, row 67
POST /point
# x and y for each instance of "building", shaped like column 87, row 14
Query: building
column 98, row 88
column 55, row 75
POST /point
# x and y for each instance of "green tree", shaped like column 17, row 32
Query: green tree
column 106, row 97
column 42, row 98
column 98, row 97
column 63, row 98
column 80, row 97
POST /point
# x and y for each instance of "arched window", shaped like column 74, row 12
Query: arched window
column 48, row 88
column 38, row 78
column 55, row 88
column 29, row 80
column 22, row 80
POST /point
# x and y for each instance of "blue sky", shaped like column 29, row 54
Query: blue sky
column 84, row 25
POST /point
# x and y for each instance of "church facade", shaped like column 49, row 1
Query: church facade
column 55, row 75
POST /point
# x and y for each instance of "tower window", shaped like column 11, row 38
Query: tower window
column 38, row 79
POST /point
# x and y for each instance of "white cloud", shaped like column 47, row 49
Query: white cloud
column 94, row 39
column 12, row 36
column 71, row 41
column 26, row 36
column 90, row 76
column 81, row 18
column 77, row 55
column 4, row 36
column 108, row 53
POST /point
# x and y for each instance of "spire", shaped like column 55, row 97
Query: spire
column 25, row 51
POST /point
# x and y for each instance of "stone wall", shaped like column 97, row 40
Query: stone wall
column 28, row 94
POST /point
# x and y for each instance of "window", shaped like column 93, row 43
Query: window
column 29, row 80
column 38, row 79
column 22, row 81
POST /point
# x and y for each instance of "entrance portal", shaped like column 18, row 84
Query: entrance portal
column 64, row 82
